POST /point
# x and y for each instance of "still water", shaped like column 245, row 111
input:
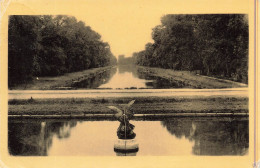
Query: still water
column 157, row 137
column 127, row 77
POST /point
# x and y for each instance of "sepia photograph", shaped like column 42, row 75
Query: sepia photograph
column 128, row 84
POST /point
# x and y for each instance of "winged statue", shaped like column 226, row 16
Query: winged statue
column 125, row 129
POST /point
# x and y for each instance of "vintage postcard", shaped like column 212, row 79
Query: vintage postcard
column 142, row 83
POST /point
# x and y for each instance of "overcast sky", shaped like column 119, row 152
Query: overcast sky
column 127, row 27
column 125, row 24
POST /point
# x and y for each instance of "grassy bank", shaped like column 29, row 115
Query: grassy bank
column 179, row 79
column 142, row 105
column 60, row 82
column 190, row 79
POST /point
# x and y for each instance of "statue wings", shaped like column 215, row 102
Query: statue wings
column 120, row 112
column 130, row 104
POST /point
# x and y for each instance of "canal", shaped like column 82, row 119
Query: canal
column 127, row 77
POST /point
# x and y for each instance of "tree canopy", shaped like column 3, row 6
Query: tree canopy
column 214, row 44
column 46, row 45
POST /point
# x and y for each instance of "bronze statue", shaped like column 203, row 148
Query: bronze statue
column 125, row 129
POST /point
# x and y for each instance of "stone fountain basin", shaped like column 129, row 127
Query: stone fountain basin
column 126, row 145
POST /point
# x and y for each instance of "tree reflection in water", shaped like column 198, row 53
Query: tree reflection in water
column 126, row 71
column 128, row 68
column 208, row 135
column 95, row 81
column 157, row 82
column 33, row 137
column 212, row 136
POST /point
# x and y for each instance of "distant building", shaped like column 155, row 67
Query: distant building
column 122, row 60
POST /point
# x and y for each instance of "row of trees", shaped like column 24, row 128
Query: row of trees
column 52, row 45
column 214, row 44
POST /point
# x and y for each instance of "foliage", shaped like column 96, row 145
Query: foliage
column 213, row 44
column 52, row 45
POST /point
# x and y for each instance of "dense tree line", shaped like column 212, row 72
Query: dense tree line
column 52, row 45
column 214, row 44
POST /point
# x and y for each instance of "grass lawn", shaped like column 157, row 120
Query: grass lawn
column 190, row 79
column 60, row 82
column 142, row 105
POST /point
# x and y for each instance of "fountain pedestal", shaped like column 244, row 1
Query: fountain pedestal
column 126, row 146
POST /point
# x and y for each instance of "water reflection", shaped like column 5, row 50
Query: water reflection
column 32, row 138
column 214, row 137
column 128, row 69
column 156, row 82
column 95, row 81
column 127, row 77
column 172, row 136
column 126, row 153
